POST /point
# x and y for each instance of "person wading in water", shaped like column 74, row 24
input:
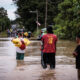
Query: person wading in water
column 48, row 49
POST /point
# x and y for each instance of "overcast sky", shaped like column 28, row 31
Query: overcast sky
column 10, row 7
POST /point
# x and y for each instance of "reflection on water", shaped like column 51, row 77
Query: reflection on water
column 20, row 63
column 30, row 68
column 7, row 58
column 48, row 75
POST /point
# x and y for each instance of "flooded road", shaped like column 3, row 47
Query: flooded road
column 30, row 68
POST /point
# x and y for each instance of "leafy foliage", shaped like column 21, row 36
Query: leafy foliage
column 4, row 20
column 68, row 19
column 29, row 19
column 64, row 14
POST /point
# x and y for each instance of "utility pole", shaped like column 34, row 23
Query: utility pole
column 36, row 18
column 46, row 14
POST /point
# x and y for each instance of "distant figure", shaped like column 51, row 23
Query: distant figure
column 76, row 54
column 29, row 34
column 11, row 31
column 15, row 33
column 8, row 33
column 41, row 34
column 48, row 49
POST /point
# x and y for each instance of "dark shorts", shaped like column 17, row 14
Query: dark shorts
column 19, row 56
column 48, row 58
column 78, row 62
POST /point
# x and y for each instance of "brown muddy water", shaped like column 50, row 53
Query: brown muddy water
column 30, row 68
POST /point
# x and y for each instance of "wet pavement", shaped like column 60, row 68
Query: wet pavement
column 31, row 69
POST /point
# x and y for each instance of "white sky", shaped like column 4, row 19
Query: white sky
column 10, row 7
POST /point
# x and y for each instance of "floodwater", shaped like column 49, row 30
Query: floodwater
column 31, row 69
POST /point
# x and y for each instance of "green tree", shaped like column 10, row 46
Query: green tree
column 4, row 20
column 68, row 19
column 29, row 19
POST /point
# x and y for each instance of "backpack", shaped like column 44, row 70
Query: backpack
column 23, row 46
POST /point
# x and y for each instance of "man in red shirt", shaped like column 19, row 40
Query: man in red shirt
column 48, row 48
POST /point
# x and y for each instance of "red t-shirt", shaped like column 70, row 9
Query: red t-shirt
column 49, row 41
